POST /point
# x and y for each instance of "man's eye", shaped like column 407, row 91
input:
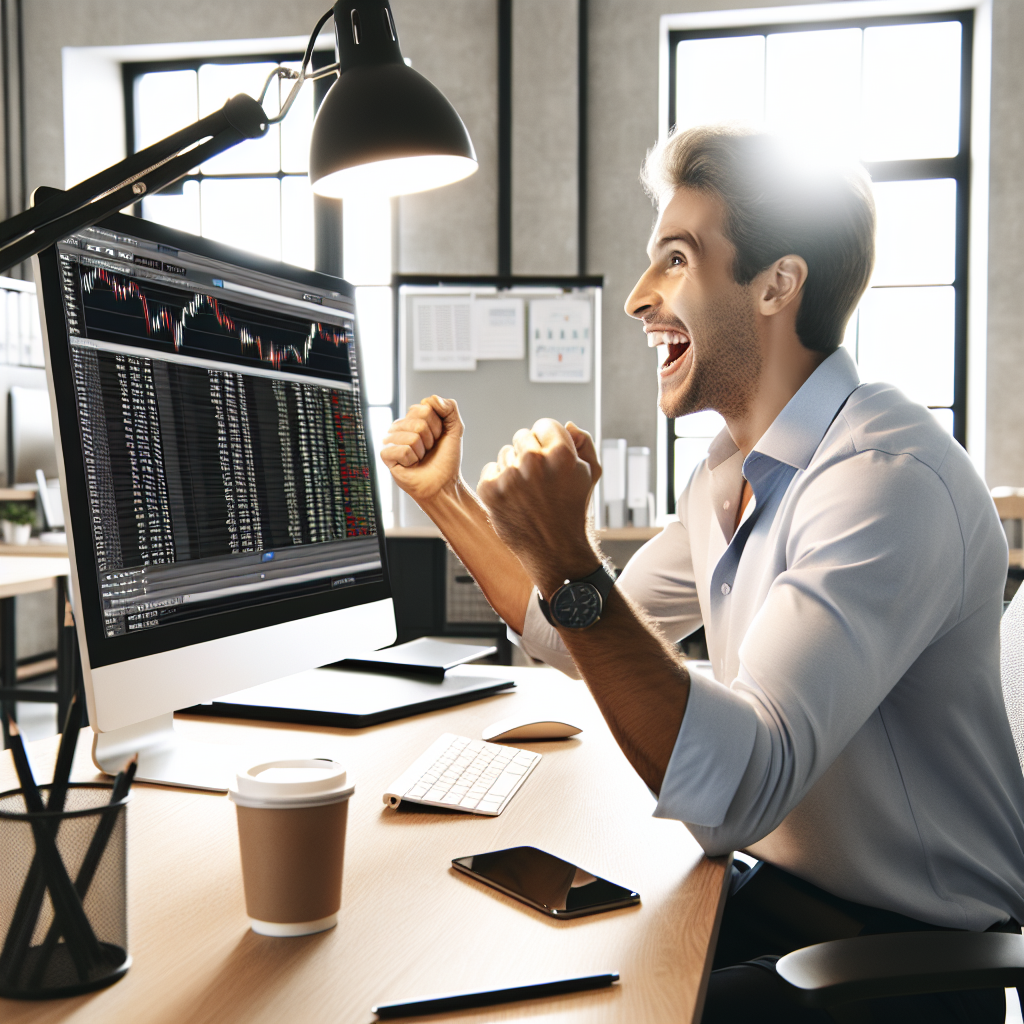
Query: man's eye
column 676, row 259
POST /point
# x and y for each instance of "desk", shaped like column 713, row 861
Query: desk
column 409, row 924
column 27, row 576
column 35, row 548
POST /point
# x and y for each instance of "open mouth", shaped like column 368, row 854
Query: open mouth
column 674, row 346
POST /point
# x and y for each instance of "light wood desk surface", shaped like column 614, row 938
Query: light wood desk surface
column 34, row 549
column 27, row 575
column 410, row 925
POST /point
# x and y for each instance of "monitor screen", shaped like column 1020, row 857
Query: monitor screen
column 214, row 440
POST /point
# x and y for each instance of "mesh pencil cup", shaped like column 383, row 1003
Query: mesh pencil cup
column 46, row 954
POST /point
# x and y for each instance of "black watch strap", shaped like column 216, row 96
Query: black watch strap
column 602, row 579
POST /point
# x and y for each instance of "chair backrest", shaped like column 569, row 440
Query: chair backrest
column 1011, row 635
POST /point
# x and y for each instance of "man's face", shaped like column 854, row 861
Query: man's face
column 702, row 321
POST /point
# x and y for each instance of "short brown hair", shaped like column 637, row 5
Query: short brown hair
column 776, row 205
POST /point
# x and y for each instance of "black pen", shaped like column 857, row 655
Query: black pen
column 90, row 862
column 26, row 913
column 65, row 758
column 82, row 943
column 491, row 997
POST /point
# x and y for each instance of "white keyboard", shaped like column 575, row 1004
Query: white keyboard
column 464, row 774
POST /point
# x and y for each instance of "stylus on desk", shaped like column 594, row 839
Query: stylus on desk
column 491, row 997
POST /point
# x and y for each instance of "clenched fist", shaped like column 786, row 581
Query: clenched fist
column 423, row 450
column 537, row 494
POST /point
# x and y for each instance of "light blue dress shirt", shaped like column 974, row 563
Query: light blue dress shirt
column 851, row 727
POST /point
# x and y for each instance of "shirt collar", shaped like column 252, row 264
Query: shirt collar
column 796, row 432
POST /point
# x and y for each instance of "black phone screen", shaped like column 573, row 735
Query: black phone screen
column 546, row 882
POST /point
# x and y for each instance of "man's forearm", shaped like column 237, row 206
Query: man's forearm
column 639, row 682
column 464, row 522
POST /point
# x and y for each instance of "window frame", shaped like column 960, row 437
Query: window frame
column 956, row 167
column 132, row 72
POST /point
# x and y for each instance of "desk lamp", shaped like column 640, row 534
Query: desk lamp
column 382, row 129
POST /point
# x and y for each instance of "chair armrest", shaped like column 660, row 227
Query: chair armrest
column 904, row 963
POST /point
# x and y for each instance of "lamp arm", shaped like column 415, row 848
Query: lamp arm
column 125, row 182
column 300, row 75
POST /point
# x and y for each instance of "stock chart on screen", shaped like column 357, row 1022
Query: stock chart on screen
column 224, row 449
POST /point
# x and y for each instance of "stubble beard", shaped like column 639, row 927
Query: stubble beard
column 726, row 366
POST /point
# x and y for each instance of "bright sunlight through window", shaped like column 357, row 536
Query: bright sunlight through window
column 891, row 93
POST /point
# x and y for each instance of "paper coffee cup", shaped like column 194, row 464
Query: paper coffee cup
column 291, row 832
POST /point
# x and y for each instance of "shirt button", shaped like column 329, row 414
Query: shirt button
column 726, row 504
column 726, row 589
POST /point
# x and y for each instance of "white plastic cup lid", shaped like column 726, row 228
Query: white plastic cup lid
column 291, row 783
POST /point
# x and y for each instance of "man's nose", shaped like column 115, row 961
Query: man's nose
column 643, row 299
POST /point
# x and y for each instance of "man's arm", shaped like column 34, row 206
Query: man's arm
column 537, row 495
column 872, row 580
column 423, row 451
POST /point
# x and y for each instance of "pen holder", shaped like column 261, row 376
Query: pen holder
column 63, row 922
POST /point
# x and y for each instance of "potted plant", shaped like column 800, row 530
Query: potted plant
column 17, row 519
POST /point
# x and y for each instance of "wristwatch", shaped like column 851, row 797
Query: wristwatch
column 578, row 604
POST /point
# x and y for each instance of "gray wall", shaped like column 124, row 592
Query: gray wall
column 1005, row 373
column 455, row 44
column 454, row 230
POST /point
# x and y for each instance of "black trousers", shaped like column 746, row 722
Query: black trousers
column 770, row 912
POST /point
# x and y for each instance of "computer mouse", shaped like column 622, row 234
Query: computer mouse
column 524, row 728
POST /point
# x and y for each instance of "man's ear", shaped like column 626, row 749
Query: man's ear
column 783, row 284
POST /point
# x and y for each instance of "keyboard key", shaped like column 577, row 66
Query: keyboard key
column 516, row 769
column 450, row 799
column 488, row 805
column 470, row 802
column 504, row 785
column 417, row 791
column 435, row 795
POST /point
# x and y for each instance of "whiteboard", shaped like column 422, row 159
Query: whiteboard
column 496, row 398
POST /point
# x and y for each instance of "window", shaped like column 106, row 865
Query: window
column 257, row 197
column 897, row 92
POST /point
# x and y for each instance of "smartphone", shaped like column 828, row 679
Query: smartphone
column 545, row 882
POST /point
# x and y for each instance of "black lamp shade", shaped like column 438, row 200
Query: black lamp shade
column 383, row 128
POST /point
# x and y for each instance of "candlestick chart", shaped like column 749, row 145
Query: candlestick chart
column 118, row 307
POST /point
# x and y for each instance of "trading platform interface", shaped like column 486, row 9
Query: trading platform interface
column 225, row 454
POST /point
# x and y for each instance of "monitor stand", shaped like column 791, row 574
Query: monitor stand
column 165, row 757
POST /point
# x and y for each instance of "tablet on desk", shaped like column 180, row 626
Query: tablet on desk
column 352, row 699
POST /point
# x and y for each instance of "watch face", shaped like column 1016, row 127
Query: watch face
column 577, row 605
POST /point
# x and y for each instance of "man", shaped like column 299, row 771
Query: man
column 840, row 550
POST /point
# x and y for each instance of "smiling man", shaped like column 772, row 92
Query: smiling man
column 841, row 552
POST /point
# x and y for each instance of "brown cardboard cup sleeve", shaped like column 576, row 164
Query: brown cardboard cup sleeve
column 291, row 835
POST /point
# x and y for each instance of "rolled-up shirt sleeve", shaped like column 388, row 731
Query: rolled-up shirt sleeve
column 659, row 579
column 861, row 596
column 711, row 755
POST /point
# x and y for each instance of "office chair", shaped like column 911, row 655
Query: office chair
column 831, row 975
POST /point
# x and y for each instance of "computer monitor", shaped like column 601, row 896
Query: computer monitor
column 221, row 509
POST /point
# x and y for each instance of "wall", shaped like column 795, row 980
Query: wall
column 454, row 230
column 1005, row 349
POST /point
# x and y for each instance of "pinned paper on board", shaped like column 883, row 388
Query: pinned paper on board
column 560, row 341
column 498, row 328
column 442, row 336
